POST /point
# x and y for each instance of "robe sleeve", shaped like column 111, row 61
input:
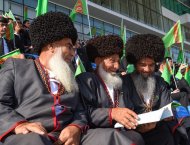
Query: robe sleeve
column 97, row 115
column 80, row 116
column 8, row 102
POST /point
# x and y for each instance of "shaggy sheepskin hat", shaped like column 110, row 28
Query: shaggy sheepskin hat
column 3, row 19
column 51, row 27
column 102, row 46
column 144, row 45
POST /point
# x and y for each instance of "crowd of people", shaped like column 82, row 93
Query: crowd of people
column 42, row 103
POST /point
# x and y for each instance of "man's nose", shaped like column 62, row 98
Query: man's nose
column 147, row 69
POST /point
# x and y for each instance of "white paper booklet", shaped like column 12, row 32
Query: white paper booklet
column 153, row 116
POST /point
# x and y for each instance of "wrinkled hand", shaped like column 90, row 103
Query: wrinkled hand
column 182, row 66
column 146, row 127
column 125, row 116
column 70, row 135
column 175, row 91
column 27, row 127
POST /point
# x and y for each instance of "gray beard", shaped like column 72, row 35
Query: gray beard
column 110, row 78
column 63, row 72
column 144, row 86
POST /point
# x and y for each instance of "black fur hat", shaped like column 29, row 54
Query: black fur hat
column 51, row 27
column 144, row 45
column 3, row 19
column 102, row 46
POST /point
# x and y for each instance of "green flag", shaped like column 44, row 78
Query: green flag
column 80, row 67
column 80, row 7
column 130, row 68
column 173, row 36
column 14, row 54
column 167, row 73
column 180, row 58
column 25, row 12
column 187, row 75
column 123, row 36
column 9, row 32
column 179, row 75
column 10, row 15
column 42, row 7
column 167, row 52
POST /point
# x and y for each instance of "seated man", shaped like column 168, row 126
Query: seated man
column 102, row 95
column 39, row 102
column 143, row 90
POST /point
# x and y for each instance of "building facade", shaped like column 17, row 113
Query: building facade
column 139, row 16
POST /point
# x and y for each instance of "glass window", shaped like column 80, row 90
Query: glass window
column 147, row 15
column 62, row 9
column 140, row 13
column 19, row 1
column 6, row 5
column 116, row 30
column 98, row 24
column 132, row 9
column 108, row 27
column 85, row 20
column 154, row 19
column 124, row 7
column 51, row 7
column 31, row 3
column 31, row 13
column 16, row 9
column 78, row 18
column 80, row 36
column 86, row 29
column 78, row 27
column 1, row 4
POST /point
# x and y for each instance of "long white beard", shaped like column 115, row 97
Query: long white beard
column 62, row 71
column 109, row 78
column 144, row 86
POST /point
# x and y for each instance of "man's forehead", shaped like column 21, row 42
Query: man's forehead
column 147, row 60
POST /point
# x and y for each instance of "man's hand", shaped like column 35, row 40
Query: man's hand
column 175, row 91
column 27, row 127
column 70, row 135
column 125, row 116
column 146, row 127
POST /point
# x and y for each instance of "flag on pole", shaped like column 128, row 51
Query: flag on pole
column 180, row 58
column 14, row 54
column 187, row 75
column 42, row 7
column 9, row 32
column 80, row 67
column 173, row 36
column 167, row 73
column 10, row 15
column 80, row 7
column 167, row 52
column 25, row 12
column 123, row 36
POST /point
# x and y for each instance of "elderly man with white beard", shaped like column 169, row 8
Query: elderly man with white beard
column 101, row 93
column 39, row 101
column 143, row 90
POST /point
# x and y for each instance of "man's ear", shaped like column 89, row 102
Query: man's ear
column 98, row 60
column 51, row 48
